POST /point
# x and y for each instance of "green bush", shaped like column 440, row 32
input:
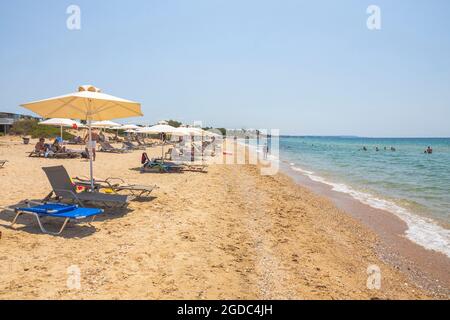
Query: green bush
column 223, row 131
column 35, row 130
column 174, row 123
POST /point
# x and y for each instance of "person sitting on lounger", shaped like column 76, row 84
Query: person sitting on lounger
column 41, row 146
column 57, row 148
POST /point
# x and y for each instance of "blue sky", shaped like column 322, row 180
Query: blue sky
column 305, row 67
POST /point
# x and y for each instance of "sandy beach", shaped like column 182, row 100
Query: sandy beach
column 230, row 233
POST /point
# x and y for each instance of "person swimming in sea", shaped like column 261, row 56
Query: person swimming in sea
column 428, row 150
column 364, row 148
column 376, row 149
column 393, row 149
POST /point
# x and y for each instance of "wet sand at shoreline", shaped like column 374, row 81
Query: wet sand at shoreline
column 429, row 268
column 230, row 233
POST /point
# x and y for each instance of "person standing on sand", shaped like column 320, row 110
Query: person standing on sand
column 265, row 151
column 95, row 139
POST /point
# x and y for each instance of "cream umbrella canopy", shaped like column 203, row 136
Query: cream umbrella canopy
column 196, row 132
column 87, row 104
column 129, row 126
column 60, row 122
column 105, row 124
column 160, row 128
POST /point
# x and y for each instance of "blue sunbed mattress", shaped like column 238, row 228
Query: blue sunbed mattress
column 62, row 211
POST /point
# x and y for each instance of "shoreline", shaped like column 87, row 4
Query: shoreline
column 428, row 268
column 228, row 234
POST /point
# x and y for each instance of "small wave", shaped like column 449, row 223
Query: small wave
column 423, row 231
column 301, row 170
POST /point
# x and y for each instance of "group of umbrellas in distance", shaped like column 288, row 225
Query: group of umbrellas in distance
column 129, row 128
column 98, row 109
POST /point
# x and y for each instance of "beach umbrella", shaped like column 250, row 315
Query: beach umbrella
column 211, row 134
column 89, row 104
column 106, row 124
column 129, row 126
column 188, row 131
column 61, row 122
column 192, row 132
column 160, row 129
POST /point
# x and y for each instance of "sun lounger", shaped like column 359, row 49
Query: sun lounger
column 55, row 155
column 143, row 143
column 129, row 145
column 139, row 191
column 139, row 142
column 115, row 139
column 151, row 165
column 173, row 151
column 107, row 147
column 158, row 166
column 64, row 189
column 65, row 155
column 35, row 153
column 55, row 210
column 195, row 167
column 185, row 165
column 74, row 141
column 2, row 163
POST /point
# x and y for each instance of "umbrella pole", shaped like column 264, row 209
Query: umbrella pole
column 162, row 148
column 203, row 140
column 91, row 168
column 61, row 133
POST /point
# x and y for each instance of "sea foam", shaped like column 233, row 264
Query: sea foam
column 423, row 231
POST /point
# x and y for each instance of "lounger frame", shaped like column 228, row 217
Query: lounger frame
column 63, row 189
column 38, row 218
column 138, row 191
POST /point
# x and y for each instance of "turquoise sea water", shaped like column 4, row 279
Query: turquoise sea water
column 413, row 185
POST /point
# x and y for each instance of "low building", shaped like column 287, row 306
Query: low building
column 7, row 120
